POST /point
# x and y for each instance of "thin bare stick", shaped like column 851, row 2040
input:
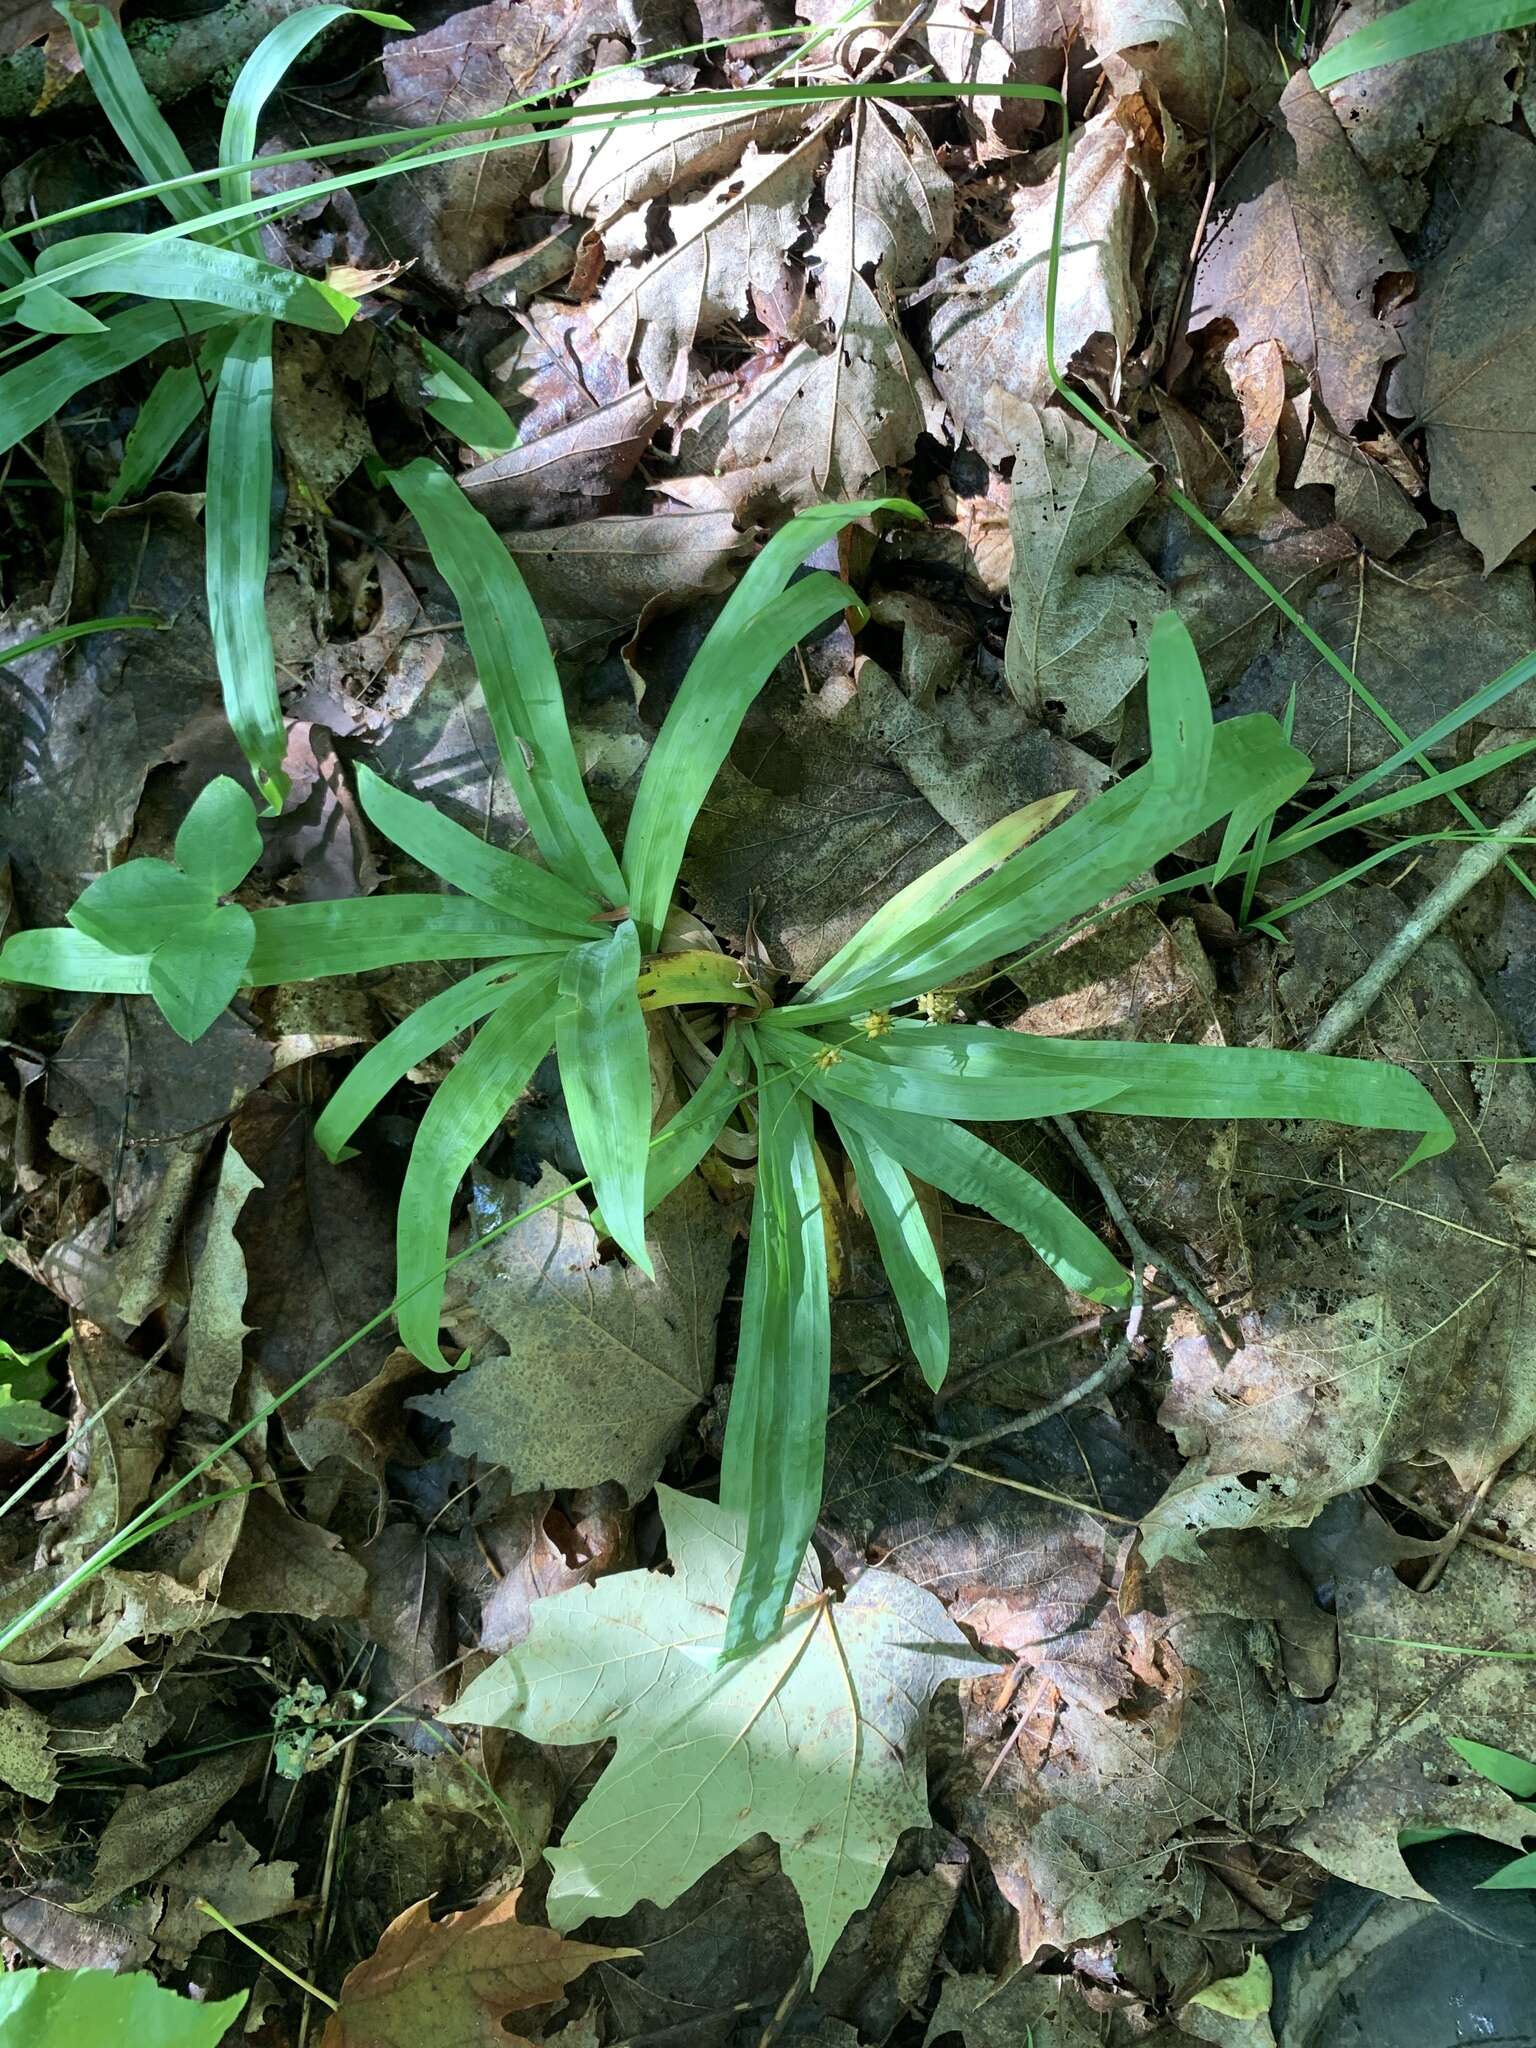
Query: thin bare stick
column 1474, row 866
column 1112, row 1370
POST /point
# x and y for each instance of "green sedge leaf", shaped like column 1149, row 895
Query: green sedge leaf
column 460, row 402
column 1074, row 868
column 174, row 406
column 1179, row 717
column 198, row 271
column 48, row 312
column 39, row 390
column 136, row 907
column 462, row 1116
column 310, row 941
column 775, row 1436
column 689, row 1132
column 1515, row 1775
column 62, row 958
column 238, row 519
column 697, row 734
column 969, row 1170
column 883, row 936
column 259, row 77
column 219, row 841
column 758, row 625
column 947, row 1082
column 414, row 1039
column 906, row 1250
column 504, row 880
column 124, row 98
column 605, row 1070
column 517, row 675
column 59, row 2008
column 1516, row 1876
column 194, row 975
column 1166, row 1080
column 1410, row 30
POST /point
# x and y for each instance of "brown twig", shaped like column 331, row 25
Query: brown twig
column 1109, row 1372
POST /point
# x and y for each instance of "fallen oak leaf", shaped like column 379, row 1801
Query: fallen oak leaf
column 450, row 1983
column 815, row 1739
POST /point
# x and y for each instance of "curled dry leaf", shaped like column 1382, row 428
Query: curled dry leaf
column 450, row 1983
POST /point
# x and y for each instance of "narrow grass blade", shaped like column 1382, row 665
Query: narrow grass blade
column 123, row 97
column 1171, row 1080
column 906, row 1250
column 1418, row 26
column 64, row 958
column 260, row 75
column 775, row 1438
column 56, row 635
column 461, row 1117
column 504, row 880
column 460, row 402
column 38, row 391
column 238, row 519
column 180, row 399
column 881, row 935
column 517, row 675
column 197, row 272
column 605, row 1070
column 311, row 941
column 1261, row 838
column 969, row 1170
column 416, row 1038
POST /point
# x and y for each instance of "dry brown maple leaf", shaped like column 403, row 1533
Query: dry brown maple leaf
column 450, row 1983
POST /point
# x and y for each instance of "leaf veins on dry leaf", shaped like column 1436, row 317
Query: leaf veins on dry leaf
column 450, row 1983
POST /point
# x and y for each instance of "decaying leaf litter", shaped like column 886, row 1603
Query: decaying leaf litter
column 1194, row 1642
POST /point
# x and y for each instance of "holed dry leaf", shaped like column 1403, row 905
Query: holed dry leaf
column 1302, row 254
column 988, row 324
column 1082, row 598
column 816, row 1739
column 1470, row 348
column 603, row 1366
column 450, row 1983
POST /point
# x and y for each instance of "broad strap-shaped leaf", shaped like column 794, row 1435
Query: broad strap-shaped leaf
column 687, row 1135
column 175, row 405
column 1417, row 26
column 309, row 941
column 759, row 624
column 775, row 1437
column 414, row 1039
column 1178, row 707
column 179, row 269
column 517, row 675
column 973, row 1068
column 259, row 77
column 194, row 974
column 460, row 402
column 697, row 733
column 461, row 1117
column 139, row 904
column 969, row 1170
column 238, row 520
column 949, row 1083
column 504, row 880
column 906, row 1249
column 44, row 310
column 123, row 97
column 816, row 1739
column 37, row 391
column 605, row 1070
column 63, row 958
column 880, row 937
column 219, row 841
column 1077, row 866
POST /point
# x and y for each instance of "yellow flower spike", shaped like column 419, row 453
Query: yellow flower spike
column 876, row 1024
